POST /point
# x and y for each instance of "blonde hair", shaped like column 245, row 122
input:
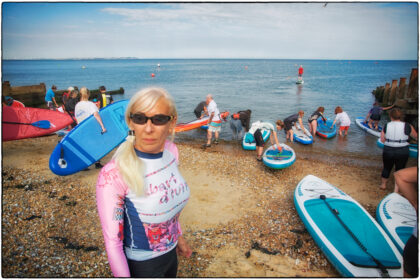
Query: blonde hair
column 84, row 93
column 129, row 165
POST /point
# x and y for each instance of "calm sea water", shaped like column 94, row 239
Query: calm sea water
column 267, row 87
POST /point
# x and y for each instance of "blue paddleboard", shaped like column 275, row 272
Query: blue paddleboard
column 414, row 148
column 361, row 123
column 273, row 159
column 302, row 136
column 85, row 144
column 324, row 130
column 398, row 218
column 248, row 141
column 346, row 233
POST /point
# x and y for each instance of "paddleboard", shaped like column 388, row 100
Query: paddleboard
column 248, row 141
column 85, row 144
column 300, row 136
column 197, row 123
column 324, row 130
column 341, row 227
column 361, row 123
column 27, row 119
column 414, row 148
column 397, row 217
column 299, row 82
column 273, row 159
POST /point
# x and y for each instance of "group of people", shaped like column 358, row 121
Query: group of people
column 141, row 192
column 78, row 105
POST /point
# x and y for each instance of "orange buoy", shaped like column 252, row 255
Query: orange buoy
column 153, row 74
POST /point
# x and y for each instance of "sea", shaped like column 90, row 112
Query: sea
column 265, row 86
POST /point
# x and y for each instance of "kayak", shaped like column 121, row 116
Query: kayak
column 27, row 122
column 180, row 127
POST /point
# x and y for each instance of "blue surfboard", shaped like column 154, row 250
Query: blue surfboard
column 85, row 144
column 350, row 238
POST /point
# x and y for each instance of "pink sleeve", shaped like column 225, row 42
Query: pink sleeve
column 170, row 146
column 110, row 193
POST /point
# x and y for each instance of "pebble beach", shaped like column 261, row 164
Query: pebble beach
column 240, row 220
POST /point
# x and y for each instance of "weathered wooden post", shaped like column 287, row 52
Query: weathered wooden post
column 413, row 87
column 393, row 92
column 401, row 89
column 386, row 94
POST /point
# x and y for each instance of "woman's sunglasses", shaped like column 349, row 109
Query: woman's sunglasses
column 141, row 118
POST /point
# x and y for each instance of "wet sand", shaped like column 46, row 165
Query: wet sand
column 240, row 220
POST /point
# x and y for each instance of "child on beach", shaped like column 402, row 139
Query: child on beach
column 256, row 131
column 343, row 119
column 140, row 193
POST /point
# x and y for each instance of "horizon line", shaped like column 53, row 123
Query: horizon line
column 198, row 58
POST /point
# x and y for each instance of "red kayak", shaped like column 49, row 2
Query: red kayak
column 21, row 123
column 196, row 123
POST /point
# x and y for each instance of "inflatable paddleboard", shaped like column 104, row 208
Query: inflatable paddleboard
column 27, row 122
column 85, row 144
column 347, row 234
column 324, row 130
column 248, row 141
column 361, row 123
column 273, row 159
column 397, row 217
column 197, row 123
column 414, row 148
column 300, row 137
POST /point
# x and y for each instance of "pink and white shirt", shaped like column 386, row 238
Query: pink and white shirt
column 141, row 227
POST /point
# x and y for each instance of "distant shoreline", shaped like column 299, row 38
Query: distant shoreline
column 136, row 58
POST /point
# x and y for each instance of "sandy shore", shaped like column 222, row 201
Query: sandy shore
column 240, row 220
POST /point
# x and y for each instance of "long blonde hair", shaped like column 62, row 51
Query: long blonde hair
column 129, row 165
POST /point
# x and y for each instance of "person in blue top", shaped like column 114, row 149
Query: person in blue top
column 374, row 115
column 50, row 98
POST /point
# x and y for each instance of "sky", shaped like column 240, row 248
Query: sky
column 299, row 30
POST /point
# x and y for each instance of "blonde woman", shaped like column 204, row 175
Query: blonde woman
column 140, row 193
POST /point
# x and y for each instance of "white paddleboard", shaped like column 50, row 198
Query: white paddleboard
column 397, row 217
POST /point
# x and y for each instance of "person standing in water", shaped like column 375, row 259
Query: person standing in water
column 300, row 73
column 214, row 123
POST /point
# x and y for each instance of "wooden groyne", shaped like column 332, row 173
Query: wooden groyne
column 33, row 96
column 405, row 97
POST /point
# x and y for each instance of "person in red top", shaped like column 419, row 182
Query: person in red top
column 300, row 71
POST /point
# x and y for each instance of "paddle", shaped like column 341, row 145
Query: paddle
column 44, row 124
column 382, row 268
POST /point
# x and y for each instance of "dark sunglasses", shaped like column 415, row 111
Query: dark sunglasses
column 141, row 118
